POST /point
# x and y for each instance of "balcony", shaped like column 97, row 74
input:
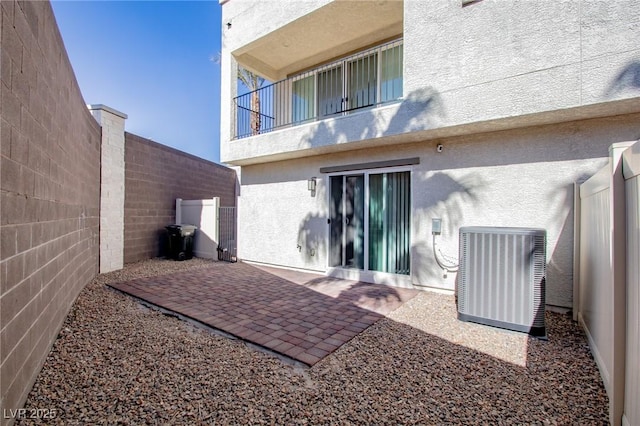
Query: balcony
column 367, row 79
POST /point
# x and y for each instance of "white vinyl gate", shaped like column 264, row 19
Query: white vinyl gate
column 215, row 227
column 227, row 247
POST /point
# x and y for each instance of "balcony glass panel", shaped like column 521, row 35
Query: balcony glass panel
column 364, row 80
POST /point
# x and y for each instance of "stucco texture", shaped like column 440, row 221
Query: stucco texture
column 485, row 67
column 519, row 178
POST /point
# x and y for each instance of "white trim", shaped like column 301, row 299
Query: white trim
column 631, row 161
column 393, row 169
column 365, row 240
column 344, row 224
column 375, row 277
column 101, row 107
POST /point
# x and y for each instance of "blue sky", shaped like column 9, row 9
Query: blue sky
column 152, row 61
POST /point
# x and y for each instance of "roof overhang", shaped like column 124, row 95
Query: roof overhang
column 332, row 31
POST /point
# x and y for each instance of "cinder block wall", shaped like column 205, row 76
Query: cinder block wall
column 155, row 175
column 50, row 193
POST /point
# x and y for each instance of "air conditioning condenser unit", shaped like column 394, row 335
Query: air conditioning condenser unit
column 501, row 278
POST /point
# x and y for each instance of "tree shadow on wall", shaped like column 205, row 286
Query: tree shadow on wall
column 422, row 109
column 419, row 111
column 446, row 194
column 453, row 196
column 311, row 237
column 627, row 79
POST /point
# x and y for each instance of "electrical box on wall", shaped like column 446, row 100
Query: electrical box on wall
column 436, row 226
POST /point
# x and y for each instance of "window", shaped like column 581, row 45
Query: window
column 330, row 91
column 360, row 81
column 303, row 95
column 364, row 80
column 391, row 74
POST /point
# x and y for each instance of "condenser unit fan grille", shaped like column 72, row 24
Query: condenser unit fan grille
column 501, row 280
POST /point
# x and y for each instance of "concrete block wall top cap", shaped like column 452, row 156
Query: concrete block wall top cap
column 108, row 109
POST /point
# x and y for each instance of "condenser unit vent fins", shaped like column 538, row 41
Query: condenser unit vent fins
column 501, row 279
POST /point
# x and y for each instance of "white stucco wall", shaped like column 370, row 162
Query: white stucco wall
column 488, row 66
column 277, row 213
column 493, row 82
column 521, row 177
column 497, row 59
column 249, row 20
column 252, row 19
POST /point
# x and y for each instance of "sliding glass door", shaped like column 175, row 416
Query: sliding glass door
column 391, row 73
column 370, row 214
column 303, row 99
column 347, row 221
column 360, row 81
column 389, row 222
column 330, row 88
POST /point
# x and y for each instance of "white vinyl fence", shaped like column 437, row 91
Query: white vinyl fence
column 631, row 173
column 216, row 234
column 607, row 299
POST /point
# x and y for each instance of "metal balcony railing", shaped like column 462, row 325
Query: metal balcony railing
column 364, row 80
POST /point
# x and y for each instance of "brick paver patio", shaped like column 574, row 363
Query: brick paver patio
column 300, row 315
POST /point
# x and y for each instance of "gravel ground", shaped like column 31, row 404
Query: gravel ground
column 116, row 361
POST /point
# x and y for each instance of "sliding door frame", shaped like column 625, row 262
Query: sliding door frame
column 366, row 173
